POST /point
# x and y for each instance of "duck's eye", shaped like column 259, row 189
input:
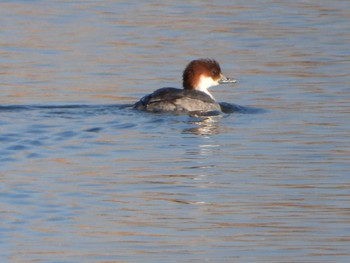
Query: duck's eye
column 214, row 72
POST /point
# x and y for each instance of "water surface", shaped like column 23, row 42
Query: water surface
column 85, row 178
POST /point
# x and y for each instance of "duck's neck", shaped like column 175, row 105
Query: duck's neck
column 204, row 84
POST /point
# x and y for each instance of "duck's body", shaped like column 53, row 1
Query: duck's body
column 177, row 100
column 198, row 76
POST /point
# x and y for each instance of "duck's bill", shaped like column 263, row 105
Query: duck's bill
column 225, row 80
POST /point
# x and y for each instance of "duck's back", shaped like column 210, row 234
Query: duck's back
column 177, row 100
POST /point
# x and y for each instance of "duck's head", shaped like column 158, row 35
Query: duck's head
column 201, row 74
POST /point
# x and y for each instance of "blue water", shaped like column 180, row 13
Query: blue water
column 86, row 178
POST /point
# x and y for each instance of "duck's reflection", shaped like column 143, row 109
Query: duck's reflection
column 204, row 126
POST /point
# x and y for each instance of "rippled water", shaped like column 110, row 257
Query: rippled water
column 85, row 178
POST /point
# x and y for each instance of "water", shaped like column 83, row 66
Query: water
column 85, row 178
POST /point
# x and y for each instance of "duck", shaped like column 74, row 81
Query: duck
column 198, row 76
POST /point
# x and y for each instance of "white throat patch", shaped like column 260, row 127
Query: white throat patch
column 205, row 83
